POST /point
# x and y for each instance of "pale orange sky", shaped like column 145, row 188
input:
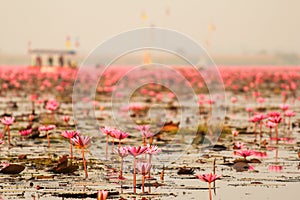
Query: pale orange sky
column 242, row 26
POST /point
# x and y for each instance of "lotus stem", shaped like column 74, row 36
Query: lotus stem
column 143, row 184
column 150, row 162
column 106, row 150
column 121, row 175
column 48, row 139
column 214, row 171
column 134, row 175
column 33, row 107
column 150, row 140
column 276, row 129
column 121, row 168
column 8, row 136
column 260, row 131
column 84, row 163
column 255, row 132
column 71, row 150
column 209, row 191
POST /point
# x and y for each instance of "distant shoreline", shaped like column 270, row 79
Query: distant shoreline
column 253, row 59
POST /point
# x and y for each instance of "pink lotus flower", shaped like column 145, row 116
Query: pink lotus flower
column 234, row 133
column 119, row 134
column 274, row 114
column 144, row 169
column 152, row 149
column 275, row 168
column 253, row 119
column 108, row 131
column 275, row 119
column 102, row 194
column 7, row 120
column 146, row 133
column 122, row 152
column 143, row 128
column 81, row 141
column 33, row 97
column 201, row 102
column 284, row 107
column 260, row 117
column 4, row 164
column 47, row 128
column 270, row 124
column 289, row 113
column 25, row 132
column 201, row 96
column 171, row 95
column 249, row 110
column 259, row 154
column 70, row 134
column 245, row 153
column 234, row 100
column 136, row 151
column 52, row 105
column 210, row 101
column 260, row 100
column 66, row 118
column 238, row 145
column 209, row 178
column 136, row 107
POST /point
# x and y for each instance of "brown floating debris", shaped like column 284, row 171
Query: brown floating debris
column 45, row 177
column 186, row 170
column 241, row 166
column 12, row 169
column 170, row 127
column 254, row 160
column 162, row 174
column 22, row 156
column 217, row 147
column 80, row 195
column 63, row 167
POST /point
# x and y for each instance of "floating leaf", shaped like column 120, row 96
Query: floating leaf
column 241, row 166
column 12, row 169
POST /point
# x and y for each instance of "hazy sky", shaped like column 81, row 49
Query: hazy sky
column 242, row 26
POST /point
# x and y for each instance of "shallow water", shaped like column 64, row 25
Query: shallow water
column 177, row 152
